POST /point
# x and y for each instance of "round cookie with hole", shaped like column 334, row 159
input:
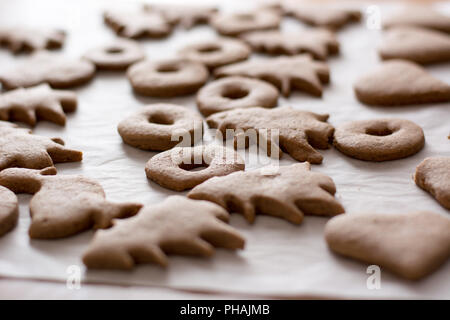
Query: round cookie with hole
column 184, row 168
column 236, row 92
column 379, row 139
column 167, row 78
column 216, row 53
column 117, row 55
column 161, row 126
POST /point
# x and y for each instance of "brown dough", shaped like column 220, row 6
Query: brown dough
column 22, row 39
column 9, row 210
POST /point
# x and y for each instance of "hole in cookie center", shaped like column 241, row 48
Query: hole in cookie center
column 114, row 50
column 235, row 93
column 160, row 119
column 380, row 132
column 209, row 49
column 245, row 16
column 193, row 167
column 167, row 68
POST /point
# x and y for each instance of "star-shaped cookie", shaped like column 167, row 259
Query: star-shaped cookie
column 176, row 226
column 320, row 43
column 23, row 39
column 138, row 23
column 288, row 193
column 300, row 72
column 299, row 132
column 37, row 103
column 20, row 148
column 41, row 67
column 64, row 205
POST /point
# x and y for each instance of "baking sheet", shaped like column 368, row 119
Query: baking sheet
column 280, row 259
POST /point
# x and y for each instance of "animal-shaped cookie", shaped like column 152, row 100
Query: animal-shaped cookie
column 22, row 39
column 176, row 226
column 299, row 131
column 433, row 175
column 412, row 244
column 37, row 103
column 322, row 16
column 300, row 72
column 415, row 44
column 399, row 82
column 320, row 43
column 9, row 210
column 138, row 23
column 56, row 70
column 64, row 205
column 288, row 192
column 186, row 15
column 419, row 16
column 20, row 148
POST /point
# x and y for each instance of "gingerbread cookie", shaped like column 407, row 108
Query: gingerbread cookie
column 233, row 24
column 299, row 131
column 399, row 82
column 415, row 44
column 138, row 23
column 187, row 16
column 117, row 55
column 419, row 16
column 320, row 43
column 171, row 169
column 22, row 39
column 300, row 72
column 176, row 226
column 235, row 92
column 379, row 139
column 289, row 192
column 9, row 211
column 167, row 78
column 322, row 16
column 216, row 53
column 412, row 245
column 20, row 148
column 433, row 175
column 37, row 103
column 64, row 205
column 43, row 67
column 158, row 126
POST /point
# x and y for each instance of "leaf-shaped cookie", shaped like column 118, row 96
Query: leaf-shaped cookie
column 289, row 192
column 138, row 23
column 411, row 245
column 419, row 16
column 20, row 39
column 9, row 210
column 40, row 102
column 322, row 16
column 433, row 175
column 299, row 131
column 56, row 70
column 64, row 205
column 398, row 82
column 318, row 42
column 186, row 15
column 20, row 148
column 176, row 226
column 299, row 72
column 415, row 44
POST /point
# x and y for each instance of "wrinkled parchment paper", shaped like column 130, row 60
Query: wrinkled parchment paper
column 280, row 259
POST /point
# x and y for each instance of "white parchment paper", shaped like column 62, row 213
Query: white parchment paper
column 280, row 259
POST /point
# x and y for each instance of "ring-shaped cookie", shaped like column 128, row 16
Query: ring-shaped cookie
column 117, row 55
column 9, row 210
column 216, row 53
column 379, row 139
column 233, row 24
column 161, row 127
column 171, row 169
column 236, row 92
column 167, row 78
